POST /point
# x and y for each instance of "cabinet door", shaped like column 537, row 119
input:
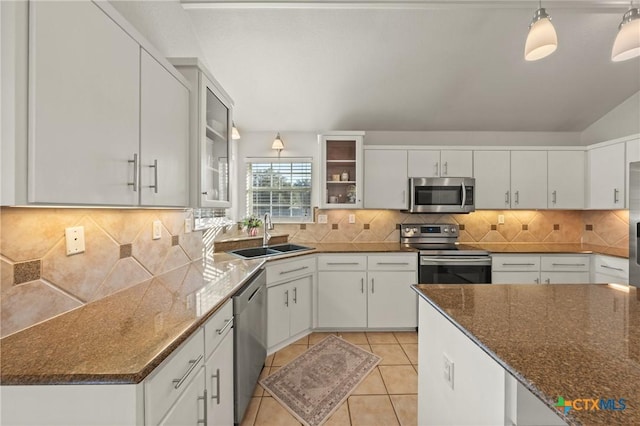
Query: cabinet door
column 219, row 382
column 342, row 299
column 564, row 277
column 189, row 408
column 633, row 154
column 515, row 277
column 300, row 306
column 385, row 179
column 606, row 177
column 529, row 179
column 492, row 170
column 84, row 106
column 566, row 179
column 278, row 301
column 423, row 163
column 392, row 302
column 456, row 163
column 164, row 136
column 342, row 172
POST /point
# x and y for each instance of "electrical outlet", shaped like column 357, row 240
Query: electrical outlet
column 74, row 237
column 448, row 370
column 352, row 218
column 157, row 230
column 188, row 227
column 322, row 218
column 500, row 219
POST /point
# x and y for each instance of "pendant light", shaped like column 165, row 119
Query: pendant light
column 235, row 135
column 542, row 40
column 277, row 144
column 627, row 43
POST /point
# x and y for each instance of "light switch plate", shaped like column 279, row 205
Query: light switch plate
column 74, row 237
column 500, row 219
column 352, row 218
column 188, row 227
column 322, row 218
column 157, row 230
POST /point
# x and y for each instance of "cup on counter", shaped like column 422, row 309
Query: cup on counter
column 333, row 199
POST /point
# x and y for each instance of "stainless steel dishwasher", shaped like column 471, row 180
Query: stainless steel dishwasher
column 250, row 340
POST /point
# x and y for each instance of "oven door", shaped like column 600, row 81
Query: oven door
column 455, row 270
column 441, row 195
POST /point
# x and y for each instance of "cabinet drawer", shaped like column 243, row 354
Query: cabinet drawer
column 217, row 327
column 565, row 263
column 342, row 263
column 288, row 269
column 393, row 262
column 167, row 382
column 616, row 267
column 515, row 263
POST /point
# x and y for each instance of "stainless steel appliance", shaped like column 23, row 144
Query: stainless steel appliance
column 250, row 340
column 442, row 259
column 441, row 195
column 634, row 223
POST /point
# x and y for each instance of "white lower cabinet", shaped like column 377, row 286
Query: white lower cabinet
column 610, row 269
column 536, row 269
column 189, row 407
column 376, row 296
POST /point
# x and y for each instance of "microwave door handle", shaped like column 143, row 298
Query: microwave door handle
column 464, row 195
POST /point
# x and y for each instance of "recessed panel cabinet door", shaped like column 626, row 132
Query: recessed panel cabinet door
column 84, row 106
column 164, row 136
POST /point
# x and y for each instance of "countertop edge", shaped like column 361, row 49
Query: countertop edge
column 541, row 396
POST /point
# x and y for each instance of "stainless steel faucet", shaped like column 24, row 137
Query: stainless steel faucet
column 268, row 225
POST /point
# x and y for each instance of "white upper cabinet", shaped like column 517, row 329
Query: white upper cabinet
column 528, row 179
column 566, row 179
column 385, row 179
column 84, row 106
column 341, row 175
column 492, row 170
column 436, row 163
column 606, row 176
column 164, row 136
column 633, row 154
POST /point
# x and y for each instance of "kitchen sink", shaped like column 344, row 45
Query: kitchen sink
column 250, row 253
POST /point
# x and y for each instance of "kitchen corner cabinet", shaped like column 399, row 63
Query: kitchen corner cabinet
column 341, row 172
column 528, row 179
column 108, row 123
column 606, row 176
column 435, row 163
column 385, row 179
column 211, row 123
column 566, row 179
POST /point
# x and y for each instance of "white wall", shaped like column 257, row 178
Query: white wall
column 623, row 120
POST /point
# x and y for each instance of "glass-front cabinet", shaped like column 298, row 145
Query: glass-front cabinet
column 341, row 177
column 211, row 150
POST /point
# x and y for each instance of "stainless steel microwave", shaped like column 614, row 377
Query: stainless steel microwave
column 442, row 195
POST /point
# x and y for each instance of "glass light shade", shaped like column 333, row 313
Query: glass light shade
column 235, row 135
column 542, row 40
column 627, row 43
column 277, row 143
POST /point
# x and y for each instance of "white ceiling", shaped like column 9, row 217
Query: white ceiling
column 415, row 66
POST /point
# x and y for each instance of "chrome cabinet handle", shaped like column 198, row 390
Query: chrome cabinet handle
column 135, row 173
column 446, row 168
column 155, row 176
column 506, row 197
column 404, row 197
column 548, row 281
column 203, row 398
column 343, row 263
column 464, row 195
column 517, row 197
column 217, row 377
column 294, row 270
column 518, row 264
column 178, row 382
column 286, row 300
column 362, row 285
column 392, row 263
column 554, row 196
column 437, row 173
column 611, row 267
column 537, row 281
column 373, row 286
column 227, row 324
column 295, row 295
column 615, row 195
column 568, row 264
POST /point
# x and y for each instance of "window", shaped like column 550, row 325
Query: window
column 282, row 188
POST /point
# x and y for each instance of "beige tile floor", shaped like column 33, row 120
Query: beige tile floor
column 387, row 396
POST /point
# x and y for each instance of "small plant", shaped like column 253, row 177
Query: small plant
column 252, row 221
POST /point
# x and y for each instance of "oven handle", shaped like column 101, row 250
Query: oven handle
column 461, row 260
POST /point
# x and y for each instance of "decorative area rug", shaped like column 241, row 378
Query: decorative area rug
column 315, row 384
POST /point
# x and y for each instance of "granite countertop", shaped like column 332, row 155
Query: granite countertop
column 569, row 248
column 570, row 340
column 123, row 337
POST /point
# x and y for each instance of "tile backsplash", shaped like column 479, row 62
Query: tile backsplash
column 39, row 281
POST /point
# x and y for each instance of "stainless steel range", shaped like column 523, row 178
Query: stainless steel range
column 442, row 259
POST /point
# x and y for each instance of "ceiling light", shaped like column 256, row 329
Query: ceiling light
column 627, row 43
column 235, row 135
column 277, row 143
column 542, row 40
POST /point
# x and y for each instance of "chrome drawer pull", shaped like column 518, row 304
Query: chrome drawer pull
column 217, row 377
column 343, row 263
column 302, row 268
column 611, row 267
column 286, row 296
column 203, row 398
column 393, row 263
column 194, row 363
column 227, row 324
column 567, row 264
column 295, row 295
column 518, row 264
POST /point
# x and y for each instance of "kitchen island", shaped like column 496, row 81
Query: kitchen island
column 510, row 354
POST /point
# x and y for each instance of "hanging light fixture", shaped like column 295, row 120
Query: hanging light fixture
column 627, row 43
column 235, row 135
column 277, row 144
column 542, row 40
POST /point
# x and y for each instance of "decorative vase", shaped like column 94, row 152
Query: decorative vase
column 253, row 232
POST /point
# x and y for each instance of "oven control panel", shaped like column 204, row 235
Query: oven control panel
column 428, row 230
